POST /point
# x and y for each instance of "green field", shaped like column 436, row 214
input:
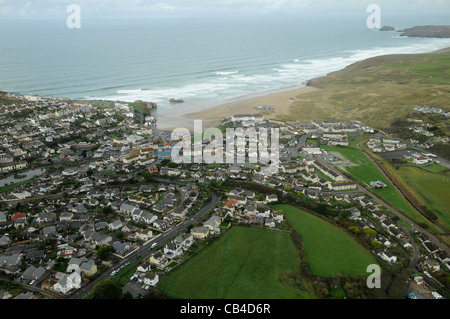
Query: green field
column 431, row 189
column 329, row 251
column 246, row 262
column 364, row 171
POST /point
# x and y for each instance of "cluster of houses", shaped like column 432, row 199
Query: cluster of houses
column 378, row 145
column 422, row 158
column 430, row 110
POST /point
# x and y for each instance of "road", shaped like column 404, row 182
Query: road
column 144, row 251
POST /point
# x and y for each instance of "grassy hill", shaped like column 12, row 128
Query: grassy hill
column 378, row 90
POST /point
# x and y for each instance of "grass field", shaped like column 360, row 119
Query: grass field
column 364, row 171
column 329, row 251
column 430, row 189
column 246, row 262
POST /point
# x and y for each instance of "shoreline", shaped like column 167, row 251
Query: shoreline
column 212, row 116
column 280, row 100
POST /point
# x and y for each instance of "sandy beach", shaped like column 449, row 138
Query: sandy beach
column 280, row 101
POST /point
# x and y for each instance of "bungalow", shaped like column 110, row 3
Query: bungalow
column 271, row 198
column 430, row 247
column 200, row 232
column 388, row 257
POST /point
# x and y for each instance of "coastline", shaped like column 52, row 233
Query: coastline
column 280, row 101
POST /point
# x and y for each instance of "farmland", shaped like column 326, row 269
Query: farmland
column 329, row 251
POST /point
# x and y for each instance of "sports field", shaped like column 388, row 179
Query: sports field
column 329, row 250
column 246, row 262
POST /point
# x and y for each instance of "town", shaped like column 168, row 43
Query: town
column 89, row 194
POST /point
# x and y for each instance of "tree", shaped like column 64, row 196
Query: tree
column 369, row 232
column 105, row 251
column 106, row 289
column 107, row 210
column 376, row 244
column 354, row 229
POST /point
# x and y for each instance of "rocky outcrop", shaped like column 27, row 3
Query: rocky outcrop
column 176, row 101
column 387, row 28
column 428, row 31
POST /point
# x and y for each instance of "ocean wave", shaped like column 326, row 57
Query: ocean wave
column 226, row 72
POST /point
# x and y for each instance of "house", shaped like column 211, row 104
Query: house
column 33, row 273
column 115, row 225
column 144, row 267
column 67, row 216
column 49, row 231
column 159, row 260
column 213, row 224
column 141, row 234
column 74, row 264
column 432, row 264
column 430, row 247
column 271, row 198
column 171, row 250
column 79, row 208
column 184, row 241
column 388, row 256
column 269, row 223
column 4, row 240
column 97, row 238
column 121, row 248
column 200, row 232
column 150, row 279
column 356, row 213
column 67, row 282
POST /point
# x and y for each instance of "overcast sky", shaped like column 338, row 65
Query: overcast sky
column 162, row 8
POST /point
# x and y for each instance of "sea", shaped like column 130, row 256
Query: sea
column 204, row 61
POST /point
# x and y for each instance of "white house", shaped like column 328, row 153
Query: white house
column 67, row 282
